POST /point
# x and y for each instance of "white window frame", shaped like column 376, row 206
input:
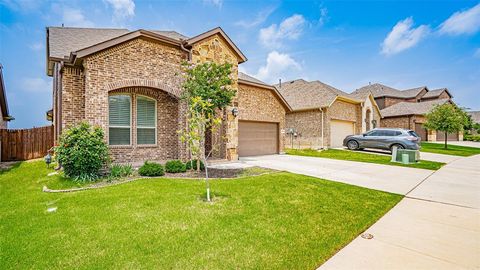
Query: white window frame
column 136, row 121
column 131, row 122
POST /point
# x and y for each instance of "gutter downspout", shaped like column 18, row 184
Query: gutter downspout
column 182, row 46
column 323, row 145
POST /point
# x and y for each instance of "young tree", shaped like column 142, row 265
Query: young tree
column 447, row 118
column 207, row 90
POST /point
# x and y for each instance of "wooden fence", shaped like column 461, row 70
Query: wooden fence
column 24, row 144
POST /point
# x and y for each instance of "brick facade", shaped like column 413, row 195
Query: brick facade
column 142, row 66
column 261, row 104
column 308, row 124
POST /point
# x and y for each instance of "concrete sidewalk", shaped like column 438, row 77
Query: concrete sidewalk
column 388, row 178
column 436, row 226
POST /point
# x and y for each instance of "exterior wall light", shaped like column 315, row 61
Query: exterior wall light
column 235, row 111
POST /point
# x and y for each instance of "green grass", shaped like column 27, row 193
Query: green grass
column 456, row 150
column 363, row 157
column 273, row 221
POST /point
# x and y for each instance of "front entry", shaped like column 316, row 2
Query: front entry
column 257, row 138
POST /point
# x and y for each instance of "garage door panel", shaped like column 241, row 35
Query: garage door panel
column 339, row 130
column 257, row 138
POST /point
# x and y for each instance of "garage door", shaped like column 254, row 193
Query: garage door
column 257, row 138
column 339, row 130
column 450, row 136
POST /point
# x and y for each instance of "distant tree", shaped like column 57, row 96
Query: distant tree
column 446, row 118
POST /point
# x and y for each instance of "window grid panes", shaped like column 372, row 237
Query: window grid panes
column 119, row 107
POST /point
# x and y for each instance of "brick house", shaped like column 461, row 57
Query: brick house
column 406, row 108
column 322, row 115
column 5, row 116
column 129, row 84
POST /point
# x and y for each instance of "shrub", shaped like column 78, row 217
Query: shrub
column 82, row 151
column 475, row 138
column 151, row 169
column 175, row 166
column 192, row 164
column 117, row 170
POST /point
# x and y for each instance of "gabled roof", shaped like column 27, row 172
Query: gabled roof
column 412, row 108
column 304, row 95
column 475, row 116
column 249, row 80
column 3, row 98
column 380, row 90
column 68, row 43
column 219, row 31
column 436, row 93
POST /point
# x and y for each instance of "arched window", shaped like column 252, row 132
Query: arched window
column 119, row 119
column 146, row 120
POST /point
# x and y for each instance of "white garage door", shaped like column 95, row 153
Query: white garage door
column 339, row 130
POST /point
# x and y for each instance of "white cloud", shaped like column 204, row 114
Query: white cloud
column 37, row 46
column 323, row 16
column 217, row 3
column 462, row 22
column 37, row 85
column 403, row 36
column 289, row 29
column 259, row 18
column 278, row 65
column 477, row 53
column 22, row 5
column 122, row 9
column 72, row 16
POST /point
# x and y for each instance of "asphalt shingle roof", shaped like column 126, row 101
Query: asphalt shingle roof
column 379, row 90
column 434, row 93
column 412, row 108
column 301, row 94
column 248, row 78
column 64, row 40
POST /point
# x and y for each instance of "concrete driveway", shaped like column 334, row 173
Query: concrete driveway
column 436, row 226
column 393, row 179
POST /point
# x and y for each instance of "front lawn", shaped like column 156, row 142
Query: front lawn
column 363, row 157
column 456, row 150
column 272, row 221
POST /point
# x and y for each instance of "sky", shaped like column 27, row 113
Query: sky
column 347, row 44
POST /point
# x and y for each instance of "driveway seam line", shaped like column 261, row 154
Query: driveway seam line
column 445, row 203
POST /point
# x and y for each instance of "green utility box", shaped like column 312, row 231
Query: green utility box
column 406, row 156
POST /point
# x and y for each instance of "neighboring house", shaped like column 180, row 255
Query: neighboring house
column 129, row 84
column 475, row 115
column 406, row 108
column 322, row 115
column 5, row 116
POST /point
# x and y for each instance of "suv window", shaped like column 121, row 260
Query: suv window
column 389, row 133
column 413, row 133
column 374, row 133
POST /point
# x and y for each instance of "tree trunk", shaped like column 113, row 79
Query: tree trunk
column 446, row 134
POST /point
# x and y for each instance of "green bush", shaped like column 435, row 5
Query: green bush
column 82, row 151
column 468, row 137
column 175, row 166
column 117, row 170
column 192, row 164
column 151, row 169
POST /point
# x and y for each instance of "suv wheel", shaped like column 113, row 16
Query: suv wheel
column 352, row 145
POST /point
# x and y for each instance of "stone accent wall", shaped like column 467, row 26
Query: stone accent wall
column 260, row 104
column 73, row 96
column 216, row 49
column 167, row 126
column 308, row 125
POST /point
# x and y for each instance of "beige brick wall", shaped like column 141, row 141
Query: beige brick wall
column 308, row 125
column 260, row 104
column 397, row 122
column 341, row 110
column 73, row 96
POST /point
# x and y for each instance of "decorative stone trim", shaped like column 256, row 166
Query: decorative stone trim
column 143, row 83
